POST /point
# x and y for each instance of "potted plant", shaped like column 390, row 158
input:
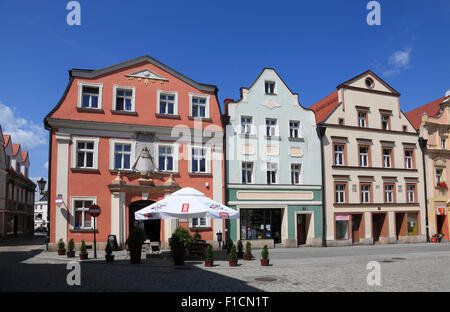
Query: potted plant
column 109, row 256
column 197, row 236
column 70, row 249
column 179, row 241
column 442, row 185
column 83, row 252
column 265, row 256
column 248, row 251
column 209, row 261
column 135, row 241
column 233, row 261
column 240, row 249
column 61, row 249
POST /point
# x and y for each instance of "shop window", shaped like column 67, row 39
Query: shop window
column 341, row 228
column 413, row 227
column 261, row 224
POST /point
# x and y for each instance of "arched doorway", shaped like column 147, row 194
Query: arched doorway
column 152, row 227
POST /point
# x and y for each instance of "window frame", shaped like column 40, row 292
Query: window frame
column 391, row 156
column 133, row 98
column 252, row 171
column 394, row 197
column 207, row 104
column 268, row 82
column 277, row 171
column 199, row 226
column 158, row 99
column 276, row 132
column 207, row 158
column 247, row 125
column 368, row 160
column 344, row 192
column 74, row 147
column 370, row 192
column 175, row 151
column 388, row 121
column 73, row 199
column 344, row 158
column 112, row 150
column 300, row 173
column 298, row 129
column 414, row 192
column 366, row 123
column 82, row 84
column 413, row 158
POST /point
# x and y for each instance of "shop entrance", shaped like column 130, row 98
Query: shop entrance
column 261, row 224
column 301, row 229
column 151, row 227
column 377, row 225
column 440, row 224
column 356, row 228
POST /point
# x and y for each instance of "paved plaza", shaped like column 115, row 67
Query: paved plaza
column 26, row 266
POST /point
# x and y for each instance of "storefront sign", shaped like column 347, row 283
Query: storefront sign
column 342, row 217
column 185, row 208
column 441, row 211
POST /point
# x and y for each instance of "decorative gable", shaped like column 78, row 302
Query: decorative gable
column 369, row 81
column 146, row 74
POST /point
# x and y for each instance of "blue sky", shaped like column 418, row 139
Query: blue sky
column 313, row 45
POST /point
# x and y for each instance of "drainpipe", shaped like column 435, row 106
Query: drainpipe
column 225, row 122
column 423, row 147
column 49, row 180
column 321, row 132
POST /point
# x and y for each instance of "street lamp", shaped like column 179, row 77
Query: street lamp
column 41, row 184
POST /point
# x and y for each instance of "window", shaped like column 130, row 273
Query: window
column 124, row 99
column 438, row 176
column 411, row 219
column 385, row 122
column 294, row 129
column 271, row 173
column 341, row 121
column 365, row 193
column 198, row 160
column 408, row 159
column 83, row 219
column 362, row 119
column 271, row 127
column 199, row 107
column 167, row 103
column 26, row 172
column 260, row 224
column 165, row 158
column 85, row 154
column 389, row 193
column 270, row 87
column 122, row 156
column 405, row 128
column 17, row 166
column 387, row 158
column 443, row 143
column 295, row 173
column 340, row 193
column 246, row 125
column 363, row 156
column 247, row 172
column 199, row 222
column 338, row 155
column 369, row 82
column 341, row 229
column 410, row 193
column 90, row 95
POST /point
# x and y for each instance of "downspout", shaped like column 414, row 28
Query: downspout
column 48, row 127
column 321, row 132
column 423, row 147
column 225, row 122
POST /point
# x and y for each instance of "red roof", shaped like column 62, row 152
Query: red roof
column 325, row 106
column 15, row 148
column 24, row 155
column 6, row 138
column 432, row 109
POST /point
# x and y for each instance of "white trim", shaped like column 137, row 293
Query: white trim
column 206, row 96
column 252, row 125
column 174, row 93
column 207, row 224
column 253, row 171
column 300, row 178
column 207, row 160
column 75, row 140
column 89, row 84
column 133, row 97
column 112, row 143
column 72, row 210
column 175, row 151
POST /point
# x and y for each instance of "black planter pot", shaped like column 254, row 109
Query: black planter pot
column 70, row 254
column 179, row 254
column 109, row 258
column 135, row 254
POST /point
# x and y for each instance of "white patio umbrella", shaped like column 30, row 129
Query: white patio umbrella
column 187, row 203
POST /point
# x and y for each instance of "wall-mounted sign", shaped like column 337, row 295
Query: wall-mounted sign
column 58, row 200
column 441, row 211
column 342, row 217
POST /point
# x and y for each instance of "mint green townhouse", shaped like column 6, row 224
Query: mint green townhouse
column 273, row 166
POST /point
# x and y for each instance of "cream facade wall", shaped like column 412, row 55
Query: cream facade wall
column 400, row 135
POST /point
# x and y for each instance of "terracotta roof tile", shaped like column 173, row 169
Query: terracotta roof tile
column 6, row 138
column 24, row 155
column 325, row 106
column 432, row 109
column 15, row 148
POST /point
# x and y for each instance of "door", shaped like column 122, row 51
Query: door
column 440, row 223
column 356, row 223
column 152, row 227
column 301, row 229
column 377, row 223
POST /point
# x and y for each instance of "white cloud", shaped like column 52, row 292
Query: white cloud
column 398, row 61
column 23, row 132
column 46, row 165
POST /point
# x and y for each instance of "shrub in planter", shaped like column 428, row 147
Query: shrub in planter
column 248, row 251
column 109, row 256
column 178, row 242
column 61, row 249
column 233, row 261
column 197, row 236
column 209, row 260
column 240, row 249
column 135, row 241
column 70, row 249
column 265, row 256
column 83, row 252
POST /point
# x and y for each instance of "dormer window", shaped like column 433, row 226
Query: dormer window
column 124, row 99
column 89, row 95
column 270, row 87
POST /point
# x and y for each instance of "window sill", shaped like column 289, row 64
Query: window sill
column 297, row 139
column 90, row 110
column 205, row 174
column 203, row 228
column 119, row 112
column 168, row 116
column 87, row 170
column 243, row 135
column 83, row 231
column 275, row 137
column 207, row 119
column 270, row 94
column 120, row 170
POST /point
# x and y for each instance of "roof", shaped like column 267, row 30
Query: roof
column 325, row 106
column 431, row 109
column 15, row 148
column 6, row 139
column 24, row 155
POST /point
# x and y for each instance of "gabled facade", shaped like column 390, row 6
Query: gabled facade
column 273, row 166
column 123, row 137
column 373, row 173
column 3, row 173
column 432, row 122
